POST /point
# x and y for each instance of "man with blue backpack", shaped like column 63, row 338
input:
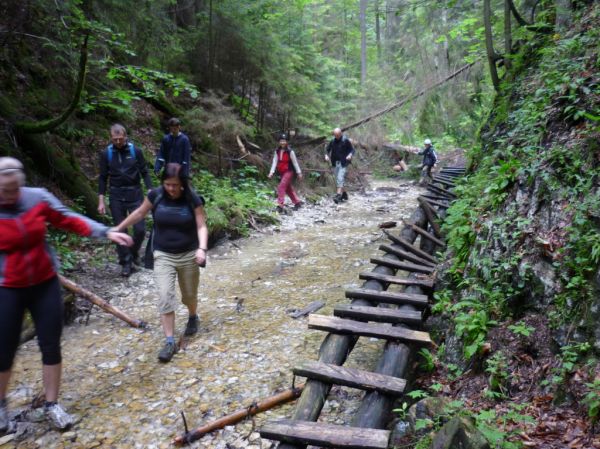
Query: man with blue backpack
column 175, row 147
column 123, row 166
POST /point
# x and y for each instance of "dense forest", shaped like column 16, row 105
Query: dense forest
column 518, row 302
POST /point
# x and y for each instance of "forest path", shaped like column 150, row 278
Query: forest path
column 247, row 345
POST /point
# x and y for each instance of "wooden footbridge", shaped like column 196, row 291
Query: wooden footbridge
column 394, row 315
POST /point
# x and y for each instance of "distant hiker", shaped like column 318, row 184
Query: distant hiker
column 286, row 164
column 28, row 279
column 174, row 147
column 180, row 240
column 429, row 159
column 339, row 152
column 122, row 165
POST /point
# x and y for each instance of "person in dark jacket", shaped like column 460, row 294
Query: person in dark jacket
column 429, row 159
column 122, row 165
column 339, row 152
column 175, row 147
column 286, row 165
column 29, row 280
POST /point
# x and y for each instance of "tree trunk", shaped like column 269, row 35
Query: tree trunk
column 378, row 31
column 507, row 35
column 489, row 44
column 363, row 41
column 563, row 15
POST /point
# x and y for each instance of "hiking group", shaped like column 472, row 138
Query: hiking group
column 176, row 249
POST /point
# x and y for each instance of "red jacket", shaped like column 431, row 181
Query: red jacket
column 25, row 257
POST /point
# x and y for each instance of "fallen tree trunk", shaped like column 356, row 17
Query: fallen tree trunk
column 233, row 418
column 95, row 299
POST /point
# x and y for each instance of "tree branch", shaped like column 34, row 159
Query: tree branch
column 47, row 125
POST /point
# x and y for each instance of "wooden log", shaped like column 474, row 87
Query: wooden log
column 369, row 275
column 432, row 216
column 379, row 314
column 388, row 297
column 404, row 266
column 443, row 182
column 342, row 326
column 410, row 247
column 441, row 191
column 405, row 255
column 430, row 196
column 324, row 435
column 423, row 233
column 312, row 307
column 446, row 177
column 233, row 418
column 437, row 203
column 95, row 299
column 351, row 377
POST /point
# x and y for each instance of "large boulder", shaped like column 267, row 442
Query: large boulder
column 459, row 433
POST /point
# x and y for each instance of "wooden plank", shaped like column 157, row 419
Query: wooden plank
column 432, row 216
column 377, row 330
column 423, row 233
column 379, row 314
column 410, row 247
column 372, row 276
column 441, row 191
column 436, row 203
column 405, row 255
column 404, row 266
column 351, row 377
column 324, row 435
column 445, row 177
column 399, row 298
column 443, row 182
column 312, row 307
column 431, row 196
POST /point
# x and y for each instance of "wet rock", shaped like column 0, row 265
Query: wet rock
column 459, row 433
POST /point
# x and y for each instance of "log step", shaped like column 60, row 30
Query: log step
column 379, row 314
column 372, row 276
column 443, row 182
column 351, row 377
column 430, row 196
column 410, row 247
column 435, row 203
column 324, row 435
column 423, row 233
column 412, row 299
column 377, row 330
column 411, row 257
column 404, row 266
column 441, row 191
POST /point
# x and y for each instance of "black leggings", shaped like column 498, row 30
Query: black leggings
column 45, row 304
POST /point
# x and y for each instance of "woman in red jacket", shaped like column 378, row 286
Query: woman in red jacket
column 286, row 164
column 28, row 279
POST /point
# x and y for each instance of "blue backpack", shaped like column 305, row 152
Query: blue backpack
column 111, row 150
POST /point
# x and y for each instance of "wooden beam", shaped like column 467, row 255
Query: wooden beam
column 410, row 247
column 445, row 177
column 389, row 249
column 351, row 377
column 377, row 330
column 387, row 279
column 431, row 196
column 312, row 307
column 324, row 435
column 388, row 297
column 404, row 266
column 436, row 203
column 423, row 233
column 443, row 182
column 379, row 314
column 441, row 191
column 432, row 216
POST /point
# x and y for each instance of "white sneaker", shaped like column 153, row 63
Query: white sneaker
column 58, row 417
column 3, row 418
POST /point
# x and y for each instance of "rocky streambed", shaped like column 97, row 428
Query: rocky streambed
column 244, row 352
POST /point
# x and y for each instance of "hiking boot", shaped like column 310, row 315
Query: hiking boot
column 337, row 198
column 58, row 417
column 298, row 205
column 192, row 325
column 136, row 260
column 167, row 352
column 126, row 270
column 3, row 417
column 344, row 196
column 279, row 210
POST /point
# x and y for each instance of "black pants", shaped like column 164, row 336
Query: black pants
column 45, row 304
column 120, row 207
